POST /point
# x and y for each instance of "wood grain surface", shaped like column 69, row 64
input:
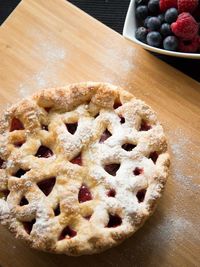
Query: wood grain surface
column 51, row 43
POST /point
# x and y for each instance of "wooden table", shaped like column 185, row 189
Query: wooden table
column 51, row 43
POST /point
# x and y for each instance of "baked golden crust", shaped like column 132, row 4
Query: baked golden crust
column 81, row 167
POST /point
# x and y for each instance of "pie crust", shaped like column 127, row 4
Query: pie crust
column 81, row 167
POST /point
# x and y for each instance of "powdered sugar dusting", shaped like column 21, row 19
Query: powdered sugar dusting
column 4, row 211
column 122, row 58
column 186, row 160
column 54, row 57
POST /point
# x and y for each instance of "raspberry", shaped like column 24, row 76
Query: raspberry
column 190, row 46
column 185, row 27
column 166, row 4
column 187, row 5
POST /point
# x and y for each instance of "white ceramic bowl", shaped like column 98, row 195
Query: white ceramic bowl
column 129, row 32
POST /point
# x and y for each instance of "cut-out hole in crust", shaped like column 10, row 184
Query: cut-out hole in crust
column 141, row 195
column 114, row 221
column 47, row 109
column 57, row 210
column 71, row 127
column 112, row 168
column 47, row 185
column 45, row 127
column 20, row 173
column 2, row 165
column 105, row 135
column 122, row 119
column 111, row 193
column 16, row 124
column 117, row 104
column 4, row 194
column 67, row 233
column 23, row 201
column 84, row 194
column 138, row 171
column 44, row 152
column 77, row 160
column 19, row 144
column 144, row 126
column 28, row 226
column 128, row 147
column 153, row 156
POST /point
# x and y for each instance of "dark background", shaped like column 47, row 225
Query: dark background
column 112, row 13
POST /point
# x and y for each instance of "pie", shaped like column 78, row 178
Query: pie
column 81, row 167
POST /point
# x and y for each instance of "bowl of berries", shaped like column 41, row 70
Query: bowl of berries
column 170, row 27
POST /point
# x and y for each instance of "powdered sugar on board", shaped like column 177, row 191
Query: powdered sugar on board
column 54, row 57
column 116, row 56
column 186, row 162
column 181, row 215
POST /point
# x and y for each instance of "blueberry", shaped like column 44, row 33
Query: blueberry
column 153, row 24
column 153, row 6
column 141, row 12
column 165, row 29
column 141, row 34
column 171, row 15
column 141, row 2
column 170, row 43
column 154, row 39
column 161, row 18
column 146, row 21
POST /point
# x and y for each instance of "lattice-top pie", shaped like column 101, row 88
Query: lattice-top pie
column 81, row 167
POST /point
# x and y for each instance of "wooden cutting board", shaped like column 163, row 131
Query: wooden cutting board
column 51, row 43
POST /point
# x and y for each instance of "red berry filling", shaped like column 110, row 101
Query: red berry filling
column 47, row 185
column 138, row 171
column 20, row 173
column 1, row 163
column 5, row 193
column 141, row 195
column 67, row 233
column 112, row 168
column 44, row 152
column 77, row 160
column 18, row 144
column 72, row 127
column 47, row 109
column 23, row 202
column 45, row 127
column 122, row 119
column 154, row 156
column 28, row 226
column 128, row 147
column 111, row 193
column 117, row 104
column 106, row 134
column 16, row 124
column 57, row 210
column 84, row 194
column 144, row 126
column 114, row 221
